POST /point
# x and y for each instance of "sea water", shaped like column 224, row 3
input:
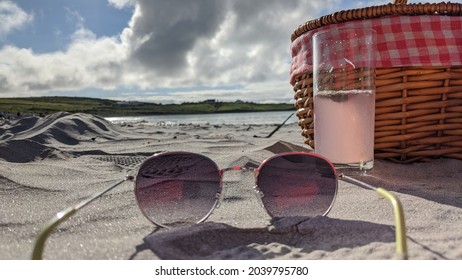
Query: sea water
column 248, row 118
column 344, row 127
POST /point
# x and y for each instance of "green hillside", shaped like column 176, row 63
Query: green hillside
column 108, row 108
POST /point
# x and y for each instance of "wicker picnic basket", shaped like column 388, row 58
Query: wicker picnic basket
column 418, row 105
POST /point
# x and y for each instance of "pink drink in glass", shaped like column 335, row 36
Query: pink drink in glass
column 344, row 125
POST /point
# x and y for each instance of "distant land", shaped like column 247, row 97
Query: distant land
column 112, row 108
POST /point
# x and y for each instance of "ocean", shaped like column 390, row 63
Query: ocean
column 271, row 117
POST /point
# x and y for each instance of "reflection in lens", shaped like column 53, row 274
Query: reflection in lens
column 297, row 184
column 174, row 189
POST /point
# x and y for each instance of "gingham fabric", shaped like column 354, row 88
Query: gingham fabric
column 401, row 41
column 343, row 49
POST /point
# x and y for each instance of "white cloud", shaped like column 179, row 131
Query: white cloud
column 214, row 42
column 12, row 17
column 86, row 63
column 83, row 34
column 119, row 4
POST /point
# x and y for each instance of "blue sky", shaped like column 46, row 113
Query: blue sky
column 54, row 22
column 153, row 50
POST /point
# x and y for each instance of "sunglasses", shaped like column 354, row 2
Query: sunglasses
column 174, row 189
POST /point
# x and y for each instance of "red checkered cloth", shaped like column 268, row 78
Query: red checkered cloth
column 401, row 41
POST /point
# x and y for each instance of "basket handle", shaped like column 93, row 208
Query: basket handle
column 400, row 2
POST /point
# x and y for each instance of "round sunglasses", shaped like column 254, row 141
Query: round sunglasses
column 181, row 188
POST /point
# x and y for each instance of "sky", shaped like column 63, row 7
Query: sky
column 162, row 51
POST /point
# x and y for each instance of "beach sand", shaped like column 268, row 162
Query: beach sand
column 48, row 164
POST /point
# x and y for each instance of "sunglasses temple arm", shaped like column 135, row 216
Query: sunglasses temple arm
column 63, row 216
column 400, row 227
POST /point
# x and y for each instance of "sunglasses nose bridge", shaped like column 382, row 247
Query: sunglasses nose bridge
column 232, row 168
column 221, row 195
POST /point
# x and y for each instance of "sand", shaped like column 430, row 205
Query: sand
column 47, row 164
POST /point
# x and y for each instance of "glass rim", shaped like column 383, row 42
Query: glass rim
column 324, row 31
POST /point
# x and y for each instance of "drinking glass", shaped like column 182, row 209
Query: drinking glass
column 344, row 97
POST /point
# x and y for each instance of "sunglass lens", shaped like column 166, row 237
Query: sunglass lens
column 174, row 189
column 298, row 184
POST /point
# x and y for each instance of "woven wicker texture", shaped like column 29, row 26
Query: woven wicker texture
column 398, row 8
column 418, row 109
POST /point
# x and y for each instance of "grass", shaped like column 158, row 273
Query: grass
column 111, row 108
